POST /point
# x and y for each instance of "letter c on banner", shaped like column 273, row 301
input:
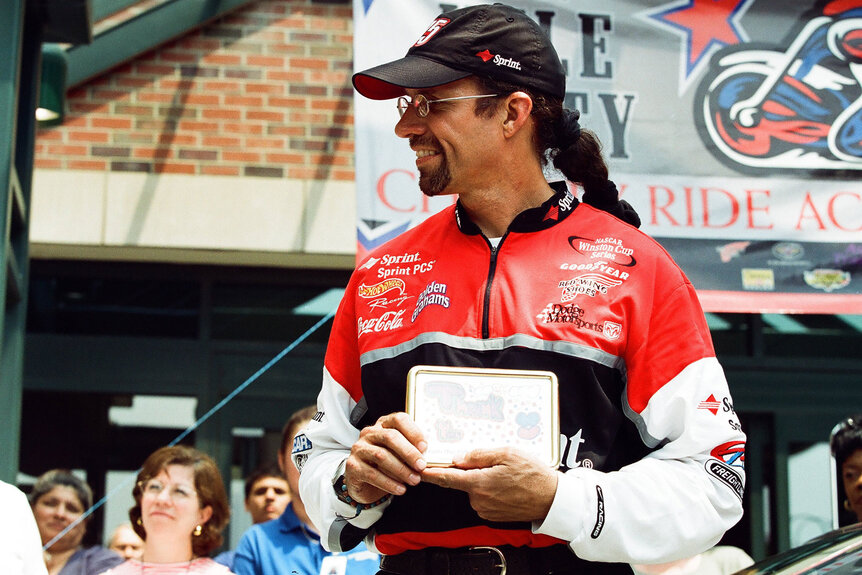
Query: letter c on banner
column 381, row 189
column 834, row 211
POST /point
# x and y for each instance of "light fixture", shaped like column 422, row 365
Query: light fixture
column 52, row 86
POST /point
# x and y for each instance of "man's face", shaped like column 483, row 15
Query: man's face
column 267, row 499
column 451, row 142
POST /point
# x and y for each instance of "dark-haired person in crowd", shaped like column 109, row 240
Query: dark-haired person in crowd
column 20, row 545
column 846, row 444
column 59, row 500
column 266, row 496
column 518, row 274
column 180, row 511
column 291, row 544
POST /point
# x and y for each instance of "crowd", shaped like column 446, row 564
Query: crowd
column 181, row 509
column 176, row 523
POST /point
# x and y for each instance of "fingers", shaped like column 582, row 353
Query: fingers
column 387, row 458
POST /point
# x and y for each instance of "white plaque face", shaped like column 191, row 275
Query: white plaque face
column 461, row 409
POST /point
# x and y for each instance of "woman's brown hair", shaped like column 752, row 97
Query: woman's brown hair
column 209, row 487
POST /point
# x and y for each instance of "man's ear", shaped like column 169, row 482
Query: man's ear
column 518, row 106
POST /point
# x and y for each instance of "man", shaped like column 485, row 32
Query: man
column 126, row 543
column 290, row 544
column 266, row 496
column 521, row 275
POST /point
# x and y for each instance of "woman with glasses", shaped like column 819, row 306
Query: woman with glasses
column 59, row 500
column 180, row 511
column 846, row 445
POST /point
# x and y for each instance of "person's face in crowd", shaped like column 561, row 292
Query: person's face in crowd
column 56, row 510
column 170, row 503
column 127, row 543
column 267, row 499
column 451, row 142
column 851, row 475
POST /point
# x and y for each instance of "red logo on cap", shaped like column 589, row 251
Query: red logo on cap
column 435, row 27
column 486, row 55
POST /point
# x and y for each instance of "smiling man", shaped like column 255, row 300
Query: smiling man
column 519, row 274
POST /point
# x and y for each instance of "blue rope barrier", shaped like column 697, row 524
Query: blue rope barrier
column 239, row 389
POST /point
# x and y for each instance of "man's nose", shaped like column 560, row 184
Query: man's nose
column 410, row 124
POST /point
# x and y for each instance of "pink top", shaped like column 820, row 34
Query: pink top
column 200, row 566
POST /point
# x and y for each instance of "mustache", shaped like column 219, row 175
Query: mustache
column 426, row 140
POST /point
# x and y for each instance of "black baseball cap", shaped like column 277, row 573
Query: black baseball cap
column 491, row 40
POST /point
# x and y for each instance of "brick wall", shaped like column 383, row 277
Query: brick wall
column 264, row 92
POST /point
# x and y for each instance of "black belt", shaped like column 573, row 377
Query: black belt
column 502, row 560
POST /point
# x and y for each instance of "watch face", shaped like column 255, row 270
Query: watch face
column 460, row 409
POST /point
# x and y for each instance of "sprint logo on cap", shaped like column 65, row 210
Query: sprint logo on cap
column 499, row 60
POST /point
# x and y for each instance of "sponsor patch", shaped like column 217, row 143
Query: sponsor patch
column 827, row 279
column 433, row 294
column 755, row 279
column 710, row 404
column 588, row 284
column 386, row 322
column 612, row 330
column 607, row 248
column 732, row 250
column 732, row 453
column 559, row 313
column 378, row 289
column 600, row 514
column 788, row 251
column 726, row 475
column 301, row 448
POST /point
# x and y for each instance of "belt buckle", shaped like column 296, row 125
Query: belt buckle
column 499, row 553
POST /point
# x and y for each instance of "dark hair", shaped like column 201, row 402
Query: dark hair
column 267, row 470
column 51, row 479
column 209, row 487
column 846, row 439
column 290, row 428
column 559, row 138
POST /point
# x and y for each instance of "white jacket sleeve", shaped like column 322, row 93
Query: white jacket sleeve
column 318, row 453
column 675, row 502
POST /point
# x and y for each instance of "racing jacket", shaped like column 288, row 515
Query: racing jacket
column 652, row 451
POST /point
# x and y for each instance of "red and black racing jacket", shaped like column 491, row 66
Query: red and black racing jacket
column 652, row 452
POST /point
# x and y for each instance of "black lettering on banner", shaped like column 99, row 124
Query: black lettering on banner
column 600, row 514
column 594, row 44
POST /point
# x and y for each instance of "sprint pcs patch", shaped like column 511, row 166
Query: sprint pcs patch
column 300, row 451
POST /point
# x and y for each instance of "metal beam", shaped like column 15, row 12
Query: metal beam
column 141, row 33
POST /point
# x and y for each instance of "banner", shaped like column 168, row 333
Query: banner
column 734, row 127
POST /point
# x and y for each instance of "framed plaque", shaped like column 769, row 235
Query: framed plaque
column 461, row 409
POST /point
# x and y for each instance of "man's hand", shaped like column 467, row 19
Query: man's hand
column 503, row 484
column 386, row 459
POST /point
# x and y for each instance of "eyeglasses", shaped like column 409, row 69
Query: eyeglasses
column 154, row 488
column 423, row 104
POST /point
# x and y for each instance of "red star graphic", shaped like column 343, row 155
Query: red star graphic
column 706, row 22
column 485, row 55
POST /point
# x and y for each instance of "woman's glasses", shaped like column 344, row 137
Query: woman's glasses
column 423, row 104
column 178, row 492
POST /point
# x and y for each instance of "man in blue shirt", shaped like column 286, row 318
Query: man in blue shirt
column 290, row 545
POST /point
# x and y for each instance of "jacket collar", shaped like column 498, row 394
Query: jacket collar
column 554, row 210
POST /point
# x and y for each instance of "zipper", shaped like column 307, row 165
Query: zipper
column 492, row 268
